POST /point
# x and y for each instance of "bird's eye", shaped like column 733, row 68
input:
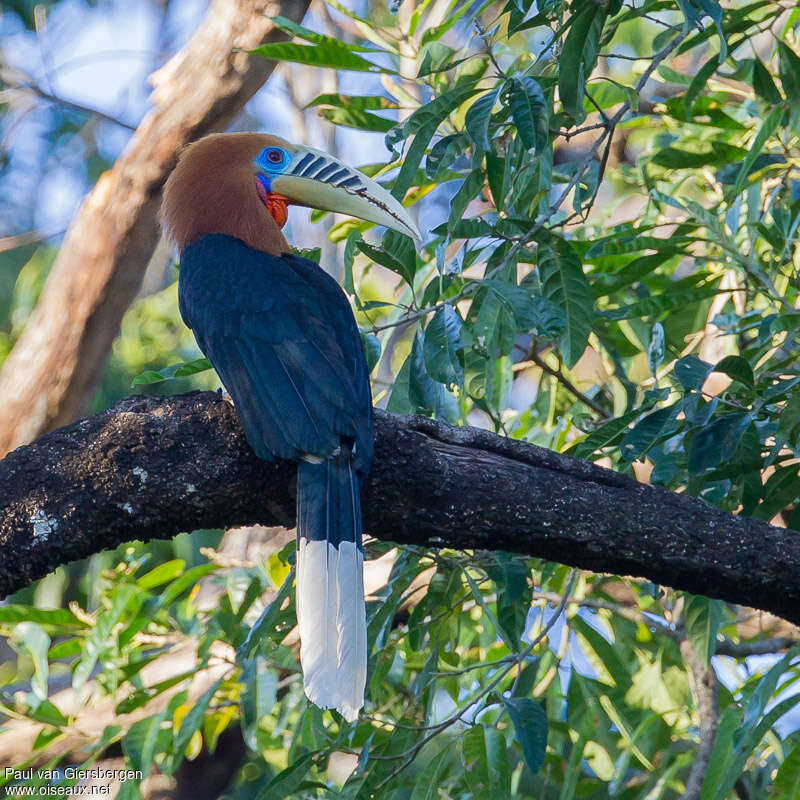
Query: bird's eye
column 273, row 159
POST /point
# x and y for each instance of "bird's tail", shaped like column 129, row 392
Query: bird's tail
column 330, row 585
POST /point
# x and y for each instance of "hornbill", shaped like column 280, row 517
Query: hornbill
column 281, row 335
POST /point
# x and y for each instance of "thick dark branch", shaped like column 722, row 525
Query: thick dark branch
column 152, row 467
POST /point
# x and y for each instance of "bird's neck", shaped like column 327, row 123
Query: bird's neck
column 230, row 206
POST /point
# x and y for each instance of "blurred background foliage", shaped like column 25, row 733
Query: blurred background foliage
column 610, row 198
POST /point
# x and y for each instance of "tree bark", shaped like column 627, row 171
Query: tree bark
column 48, row 378
column 152, row 467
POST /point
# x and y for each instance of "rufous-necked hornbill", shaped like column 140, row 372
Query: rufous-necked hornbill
column 281, row 335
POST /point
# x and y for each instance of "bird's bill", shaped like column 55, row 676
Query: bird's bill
column 318, row 180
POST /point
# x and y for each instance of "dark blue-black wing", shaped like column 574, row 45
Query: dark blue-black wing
column 281, row 335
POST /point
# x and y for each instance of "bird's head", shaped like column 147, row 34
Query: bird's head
column 242, row 183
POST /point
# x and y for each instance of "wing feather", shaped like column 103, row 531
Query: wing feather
column 281, row 335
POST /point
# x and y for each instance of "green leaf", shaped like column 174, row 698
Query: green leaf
column 185, row 581
column 42, row 710
column 787, row 778
column 45, row 736
column 717, row 442
column 691, row 372
column 444, row 153
column 414, row 391
column 514, row 595
column 749, row 732
column 698, row 83
column 579, row 54
column 355, row 118
column 609, row 653
column 649, row 431
column 175, row 371
column 655, row 350
column 737, row 368
column 265, row 624
column 604, row 436
column 161, row 574
column 59, row 617
column 442, row 343
column 368, row 102
column 435, row 57
column 328, row 53
column 606, row 284
column 477, row 119
column 789, row 69
column 32, row 638
column 495, row 325
column 427, row 785
column 260, row 694
column 380, row 256
column 481, row 601
column 288, row 780
column 147, row 377
column 192, row 367
column 790, row 416
column 768, row 127
column 530, row 112
column 719, row 153
column 143, row 740
column 350, row 246
column 469, row 189
column 141, row 697
column 530, row 728
column 126, row 597
column 424, row 123
column 483, row 753
column 565, row 285
column 763, row 85
column 293, row 28
column 191, row 723
column 372, row 349
column 499, row 381
column 456, row 12
column 702, row 617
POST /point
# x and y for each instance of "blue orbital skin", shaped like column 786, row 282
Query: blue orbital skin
column 281, row 335
column 272, row 161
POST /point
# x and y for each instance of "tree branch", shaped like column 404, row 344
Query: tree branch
column 48, row 377
column 152, row 467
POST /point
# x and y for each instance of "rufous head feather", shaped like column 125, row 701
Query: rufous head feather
column 213, row 189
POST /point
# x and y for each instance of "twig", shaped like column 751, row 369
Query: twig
column 624, row 57
column 570, row 134
column 660, row 22
column 704, row 687
column 37, row 90
column 536, row 359
column 27, row 237
column 482, row 33
column 597, row 108
column 764, row 647
column 586, row 210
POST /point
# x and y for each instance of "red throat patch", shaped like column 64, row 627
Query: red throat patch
column 276, row 204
